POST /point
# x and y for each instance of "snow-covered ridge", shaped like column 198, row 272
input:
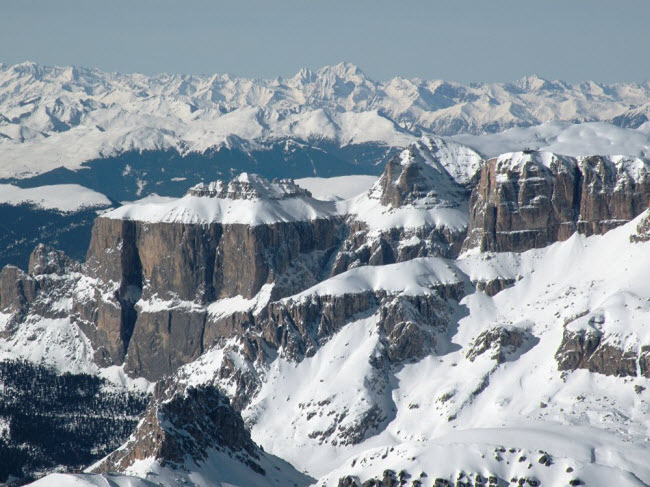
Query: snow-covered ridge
column 248, row 199
column 417, row 276
column 337, row 188
column 45, row 111
column 566, row 138
column 65, row 198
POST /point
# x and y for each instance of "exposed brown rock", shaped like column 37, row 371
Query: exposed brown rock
column 529, row 200
column 492, row 287
column 164, row 340
column 588, row 349
column 192, row 263
column 502, row 343
column 395, row 245
column 205, row 262
column 17, row 291
column 185, row 422
column 642, row 230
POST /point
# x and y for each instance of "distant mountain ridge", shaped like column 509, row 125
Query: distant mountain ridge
column 44, row 111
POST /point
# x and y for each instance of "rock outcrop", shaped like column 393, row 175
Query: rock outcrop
column 415, row 209
column 590, row 350
column 501, row 343
column 494, row 286
column 531, row 199
column 642, row 233
column 588, row 344
column 185, row 422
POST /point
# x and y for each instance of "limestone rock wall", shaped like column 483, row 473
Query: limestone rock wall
column 204, row 262
column 531, row 200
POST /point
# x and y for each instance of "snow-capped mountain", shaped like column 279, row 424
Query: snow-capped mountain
column 467, row 308
column 354, row 337
column 46, row 111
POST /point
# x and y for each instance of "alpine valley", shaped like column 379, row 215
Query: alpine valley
column 322, row 280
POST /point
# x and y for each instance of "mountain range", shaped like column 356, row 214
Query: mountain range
column 456, row 321
column 323, row 280
column 46, row 111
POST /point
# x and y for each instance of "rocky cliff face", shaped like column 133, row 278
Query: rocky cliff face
column 181, row 422
column 177, row 267
column 17, row 290
column 57, row 287
column 143, row 296
column 200, row 259
column 528, row 200
column 417, row 208
column 192, row 434
column 298, row 326
column 180, row 267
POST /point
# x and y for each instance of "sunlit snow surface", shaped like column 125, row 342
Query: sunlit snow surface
column 61, row 197
column 63, row 116
column 598, row 425
column 337, row 188
column 564, row 138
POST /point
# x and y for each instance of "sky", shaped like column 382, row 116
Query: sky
column 459, row 40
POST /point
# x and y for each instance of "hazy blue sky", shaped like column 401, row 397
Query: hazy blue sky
column 463, row 40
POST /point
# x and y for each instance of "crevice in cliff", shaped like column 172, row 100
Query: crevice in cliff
column 577, row 193
column 131, row 285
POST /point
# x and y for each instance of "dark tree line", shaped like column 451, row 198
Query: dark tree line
column 58, row 421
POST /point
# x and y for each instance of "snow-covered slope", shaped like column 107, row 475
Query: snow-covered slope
column 466, row 410
column 66, row 198
column 46, row 111
column 564, row 138
column 337, row 188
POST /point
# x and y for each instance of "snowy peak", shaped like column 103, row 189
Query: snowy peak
column 250, row 187
column 45, row 111
column 418, row 176
column 535, row 84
